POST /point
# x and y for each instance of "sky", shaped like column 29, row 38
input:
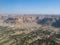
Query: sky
column 29, row 6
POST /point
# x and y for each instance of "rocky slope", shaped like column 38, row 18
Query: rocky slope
column 29, row 30
column 44, row 20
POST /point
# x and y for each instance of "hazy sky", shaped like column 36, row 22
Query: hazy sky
column 29, row 6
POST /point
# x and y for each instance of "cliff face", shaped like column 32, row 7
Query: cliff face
column 20, row 19
column 55, row 22
column 43, row 20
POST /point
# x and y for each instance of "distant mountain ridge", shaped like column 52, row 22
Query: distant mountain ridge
column 55, row 22
column 39, row 19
